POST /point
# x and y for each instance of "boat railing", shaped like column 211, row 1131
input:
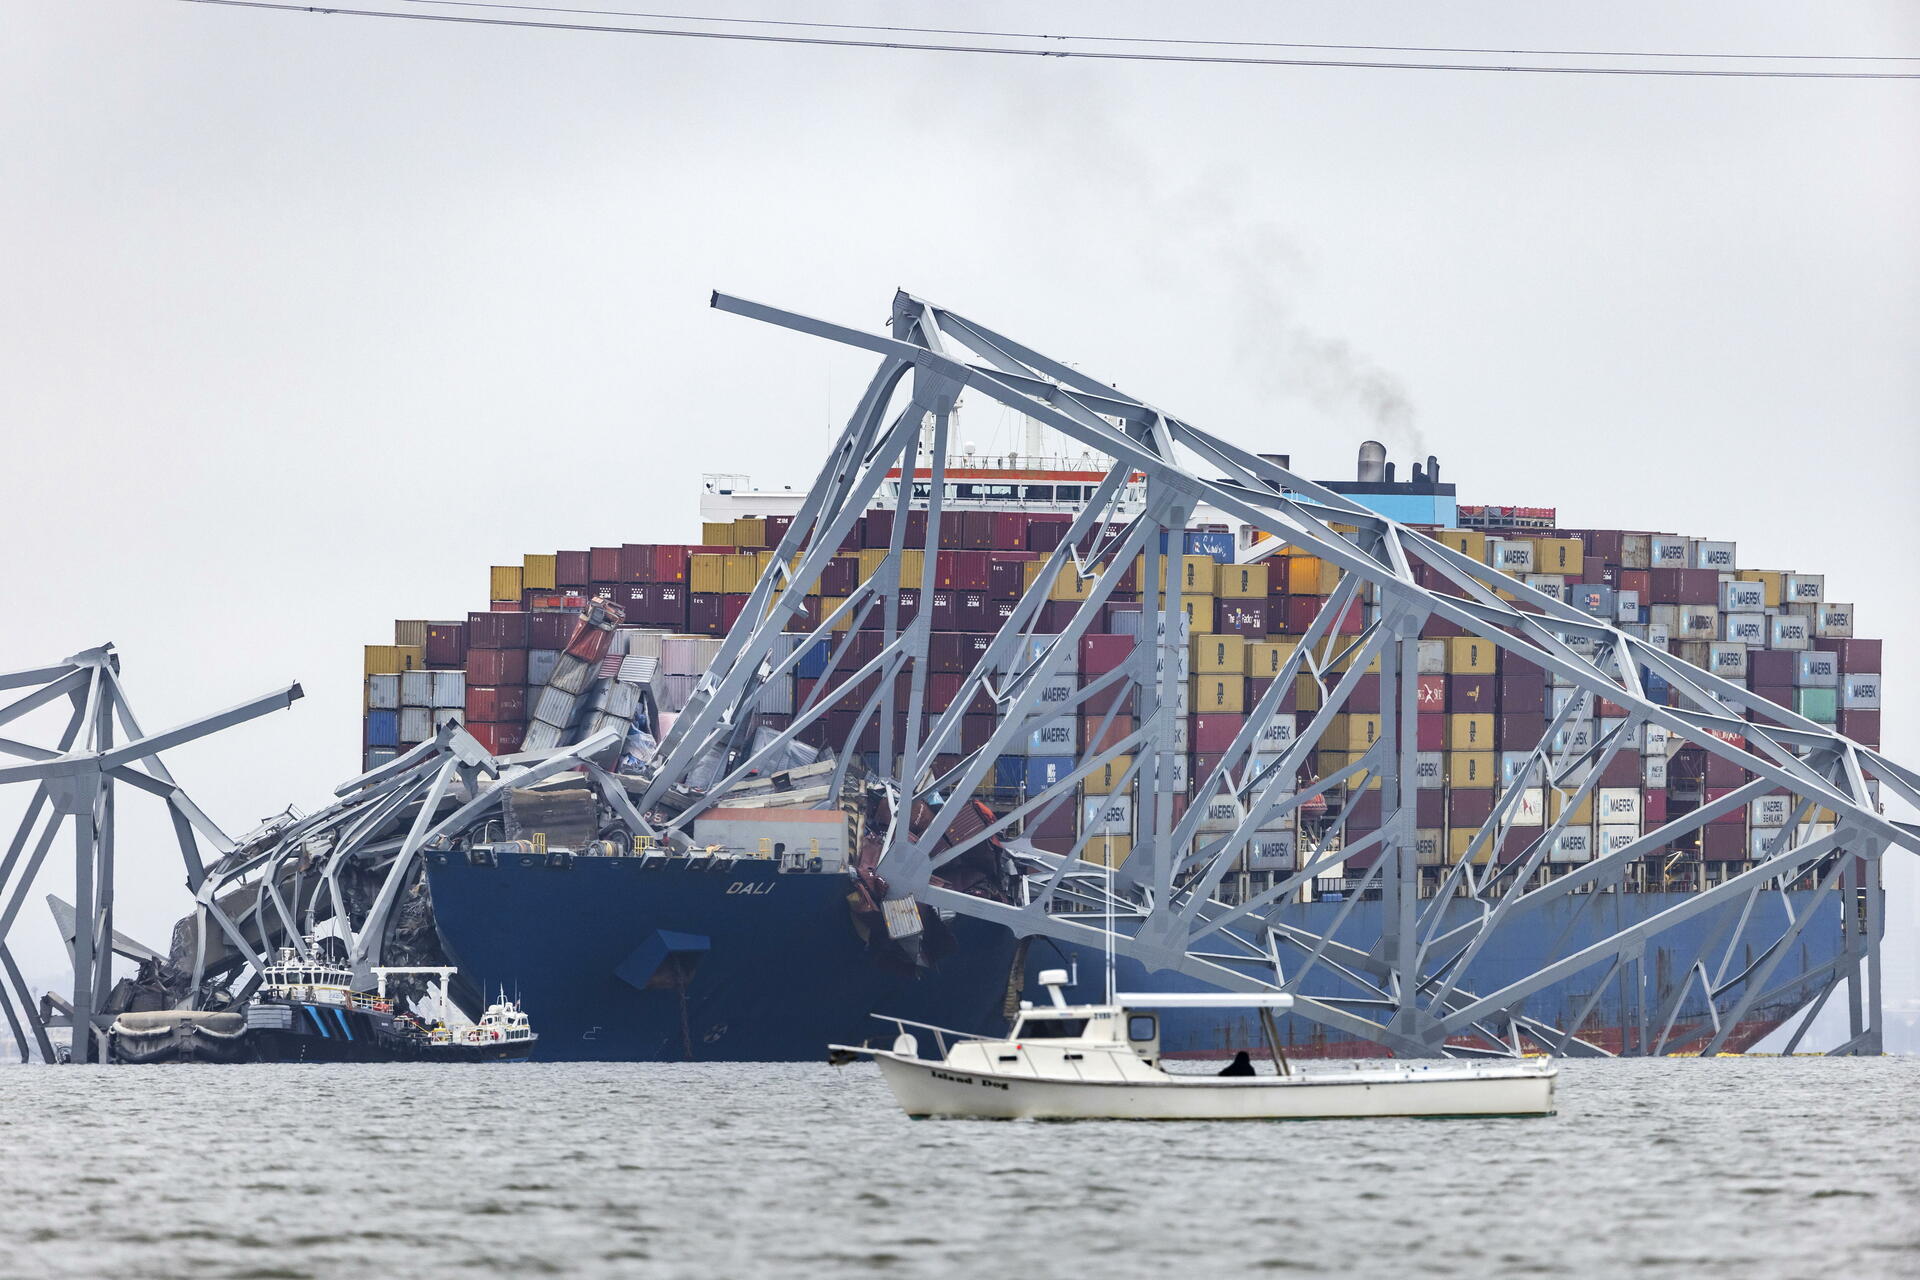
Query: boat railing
column 940, row 1034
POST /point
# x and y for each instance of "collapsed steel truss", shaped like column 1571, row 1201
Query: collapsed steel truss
column 1411, row 988
column 76, row 782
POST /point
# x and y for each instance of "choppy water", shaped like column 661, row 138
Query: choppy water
column 1748, row 1168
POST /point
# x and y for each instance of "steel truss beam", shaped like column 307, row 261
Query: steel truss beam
column 1414, row 988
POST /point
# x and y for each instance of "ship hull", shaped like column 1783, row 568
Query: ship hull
column 630, row 959
column 776, row 971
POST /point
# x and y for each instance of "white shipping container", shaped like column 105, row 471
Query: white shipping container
column 1713, row 555
column 1653, row 772
column 1636, row 551
column 1531, row 809
column 622, row 701
column 555, row 706
column 1727, row 659
column 1575, row 737
column 449, row 715
column 674, row 692
column 1659, row 634
column 1860, row 692
column 416, row 724
column 1815, row 669
column 383, row 692
column 573, row 674
column 450, row 689
column 1664, row 615
column 682, row 656
column 1515, row 763
column 1745, row 628
column 1626, row 607
column 1223, row 814
column 1743, row 597
column 542, row 736
column 1181, row 773
column 1618, row 806
column 1107, row 815
column 1658, row 740
column 1276, row 737
column 1548, row 584
column 1698, row 622
column 1429, row 848
column 1055, row 737
column 416, row 688
column 1617, row 836
column 1760, row 842
column 1668, row 552
column 1770, row 811
column 540, row 665
column 1433, row 658
column 1785, row 631
column 1182, row 728
column 1833, row 621
column 1429, row 771
column 1272, row 851
column 1575, row 844
column 1510, row 555
column 1806, row 588
column 1558, row 700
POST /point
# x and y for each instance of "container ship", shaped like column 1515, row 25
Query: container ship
column 762, row 943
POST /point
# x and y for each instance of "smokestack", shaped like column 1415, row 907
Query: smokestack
column 1418, row 475
column 1373, row 460
column 1433, row 470
column 1389, row 473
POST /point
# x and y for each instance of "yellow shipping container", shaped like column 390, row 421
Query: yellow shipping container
column 913, row 563
column 1265, row 658
column 1306, row 693
column 506, row 582
column 1460, row 839
column 1344, row 659
column 1468, row 542
column 1558, row 555
column 1557, row 805
column 717, row 533
column 1199, row 611
column 1471, row 769
column 1107, row 851
column 539, row 573
column 828, row 604
column 1196, row 575
column 1219, row 655
column 1470, row 656
column 1352, row 732
column 1335, row 763
column 707, row 572
column 1312, row 576
column 1240, row 581
column 410, row 631
column 749, row 531
column 1103, row 780
column 738, row 573
column 1469, row 732
column 383, row 660
column 1773, row 584
column 1217, row 695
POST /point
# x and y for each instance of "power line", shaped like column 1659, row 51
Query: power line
column 1093, row 54
column 1174, row 40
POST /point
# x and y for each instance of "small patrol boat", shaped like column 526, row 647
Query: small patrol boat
column 1102, row 1062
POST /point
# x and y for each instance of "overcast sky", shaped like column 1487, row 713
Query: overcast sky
column 309, row 319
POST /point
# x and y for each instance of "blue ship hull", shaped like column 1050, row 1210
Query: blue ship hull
column 620, row 959
column 626, row 959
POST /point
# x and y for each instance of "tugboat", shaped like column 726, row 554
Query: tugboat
column 307, row 1010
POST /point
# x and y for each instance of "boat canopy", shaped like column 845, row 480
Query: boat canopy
column 1203, row 1000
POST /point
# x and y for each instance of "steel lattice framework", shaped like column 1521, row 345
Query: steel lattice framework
column 1411, row 989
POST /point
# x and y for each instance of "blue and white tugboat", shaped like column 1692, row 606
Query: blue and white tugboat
column 307, row 1010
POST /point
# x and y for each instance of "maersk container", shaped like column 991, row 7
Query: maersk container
column 1815, row 669
column 1860, row 691
column 1053, row 737
column 1272, row 851
column 383, row 728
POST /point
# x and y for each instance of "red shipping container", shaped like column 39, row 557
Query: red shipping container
column 603, row 565
column 731, row 607
column 979, row 527
column 909, row 609
column 1214, row 733
column 1430, row 808
column 1006, row 574
column 549, row 630
column 1857, row 656
column 1735, row 816
column 805, row 617
column 1621, row 771
column 666, row 604
column 953, row 529
column 588, row 642
column 1118, row 727
column 840, row 576
column 777, row 527
column 945, row 616
column 704, row 613
column 1440, row 629
column 1364, row 808
column 1044, row 532
column 506, row 606
column 1009, row 531
column 1684, row 586
column 1772, row 667
column 636, row 562
column 1862, row 726
column 1640, row 580
column 1365, row 698
column 446, row 644
column 1723, row 844
column 1469, row 806
column 496, row 703
column 1430, row 733
column 496, row 666
column 1520, row 731
column 1430, row 695
column 974, row 732
column 572, row 568
column 965, row 570
column 1056, row 616
column 1240, row 617
column 497, row 630
column 1653, row 809
column 974, row 611
column 1101, row 654
column 1470, row 695
column 499, row 739
column 948, row 651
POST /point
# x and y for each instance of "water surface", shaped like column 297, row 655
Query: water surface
column 1740, row 1168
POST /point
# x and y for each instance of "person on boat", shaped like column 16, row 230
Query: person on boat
column 1241, row 1065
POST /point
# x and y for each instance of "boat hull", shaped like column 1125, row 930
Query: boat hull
column 929, row 1090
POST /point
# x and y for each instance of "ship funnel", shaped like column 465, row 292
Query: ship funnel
column 1418, row 475
column 1433, row 470
column 1389, row 473
column 1373, row 462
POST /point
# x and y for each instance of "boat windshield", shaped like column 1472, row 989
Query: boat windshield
column 1052, row 1028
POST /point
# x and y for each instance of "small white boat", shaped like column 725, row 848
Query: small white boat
column 1102, row 1062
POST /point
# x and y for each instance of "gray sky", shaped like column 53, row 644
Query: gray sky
column 310, row 319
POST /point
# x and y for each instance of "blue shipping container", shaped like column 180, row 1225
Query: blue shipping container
column 813, row 663
column 1009, row 772
column 1044, row 771
column 383, row 728
column 1216, row 546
